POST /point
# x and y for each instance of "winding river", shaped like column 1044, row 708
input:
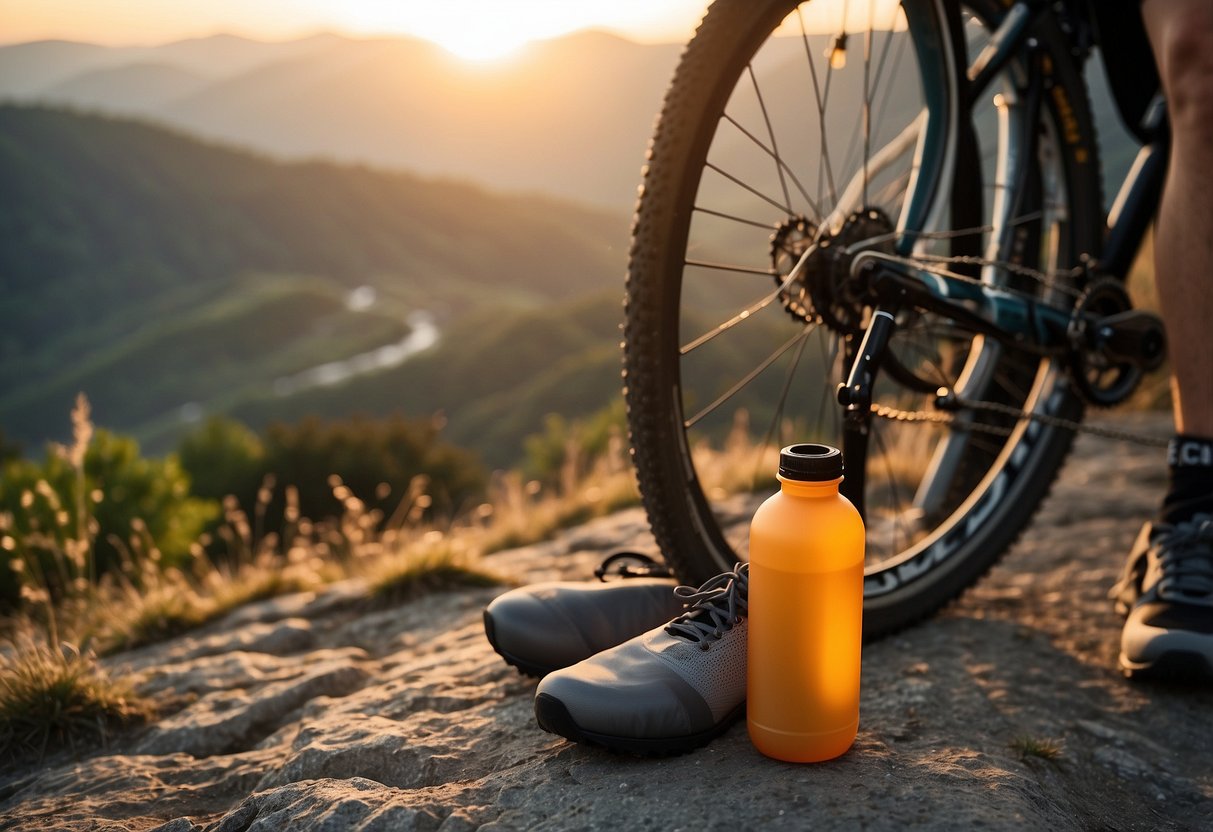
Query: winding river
column 423, row 334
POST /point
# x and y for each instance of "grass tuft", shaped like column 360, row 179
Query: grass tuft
column 437, row 565
column 60, row 697
column 159, row 614
column 167, row 604
column 1040, row 748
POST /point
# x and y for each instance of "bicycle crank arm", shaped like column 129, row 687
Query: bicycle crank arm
column 1015, row 319
column 1133, row 337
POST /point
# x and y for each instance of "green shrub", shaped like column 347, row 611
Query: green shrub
column 373, row 460
column 9, row 449
column 223, row 457
column 567, row 449
column 80, row 511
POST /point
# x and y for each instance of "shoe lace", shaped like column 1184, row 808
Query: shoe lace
column 1185, row 556
column 713, row 608
column 627, row 564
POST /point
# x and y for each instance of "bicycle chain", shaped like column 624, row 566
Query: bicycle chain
column 1049, row 281
column 896, row 415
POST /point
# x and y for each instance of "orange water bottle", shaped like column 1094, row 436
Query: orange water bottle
column 805, row 612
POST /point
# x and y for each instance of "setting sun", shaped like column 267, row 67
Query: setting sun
column 473, row 31
column 486, row 29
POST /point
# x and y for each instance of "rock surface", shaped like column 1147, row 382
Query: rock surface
column 309, row 712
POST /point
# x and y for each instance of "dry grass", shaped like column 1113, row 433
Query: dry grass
column 520, row 512
column 739, row 465
column 60, row 697
column 436, row 563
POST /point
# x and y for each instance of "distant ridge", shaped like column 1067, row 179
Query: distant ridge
column 569, row 116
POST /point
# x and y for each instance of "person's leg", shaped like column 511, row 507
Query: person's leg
column 1167, row 587
column 1181, row 34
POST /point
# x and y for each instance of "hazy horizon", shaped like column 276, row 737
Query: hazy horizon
column 478, row 29
column 317, row 33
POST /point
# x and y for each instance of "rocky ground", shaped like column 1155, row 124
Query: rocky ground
column 307, row 712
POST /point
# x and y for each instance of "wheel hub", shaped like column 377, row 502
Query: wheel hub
column 827, row 292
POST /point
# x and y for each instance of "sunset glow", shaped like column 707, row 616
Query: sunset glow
column 486, row 29
column 473, row 29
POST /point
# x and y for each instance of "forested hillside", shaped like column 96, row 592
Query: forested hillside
column 156, row 272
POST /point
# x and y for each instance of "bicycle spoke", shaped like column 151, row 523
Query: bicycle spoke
column 976, row 230
column 813, row 205
column 766, row 117
column 898, row 512
column 828, row 361
column 884, row 53
column 736, row 181
column 868, row 116
column 890, row 191
column 749, row 377
column 821, row 97
column 731, row 267
column 1017, row 391
column 743, row 315
column 777, row 418
column 888, row 92
column 867, row 103
column 887, row 155
column 766, row 226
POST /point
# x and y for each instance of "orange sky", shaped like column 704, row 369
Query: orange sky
column 474, row 29
column 465, row 26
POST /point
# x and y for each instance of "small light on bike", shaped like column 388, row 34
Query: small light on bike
column 837, row 53
column 999, row 101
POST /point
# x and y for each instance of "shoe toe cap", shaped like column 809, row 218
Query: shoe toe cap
column 1153, row 631
column 649, row 704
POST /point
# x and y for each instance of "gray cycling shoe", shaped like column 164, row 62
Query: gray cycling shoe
column 1166, row 593
column 544, row 627
column 666, row 691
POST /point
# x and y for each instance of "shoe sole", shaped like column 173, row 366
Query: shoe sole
column 521, row 665
column 554, row 717
column 1172, row 666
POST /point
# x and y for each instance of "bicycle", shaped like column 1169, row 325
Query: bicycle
column 926, row 281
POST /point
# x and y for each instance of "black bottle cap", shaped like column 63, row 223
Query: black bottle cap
column 810, row 463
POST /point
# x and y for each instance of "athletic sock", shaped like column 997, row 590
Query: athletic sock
column 1190, row 460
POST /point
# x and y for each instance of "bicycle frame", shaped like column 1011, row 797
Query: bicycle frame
column 1014, row 319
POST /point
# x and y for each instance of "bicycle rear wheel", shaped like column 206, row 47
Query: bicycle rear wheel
column 818, row 130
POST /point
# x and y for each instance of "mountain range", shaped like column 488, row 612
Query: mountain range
column 522, row 123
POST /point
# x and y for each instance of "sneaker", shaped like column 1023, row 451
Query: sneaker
column 544, row 627
column 666, row 691
column 1166, row 593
